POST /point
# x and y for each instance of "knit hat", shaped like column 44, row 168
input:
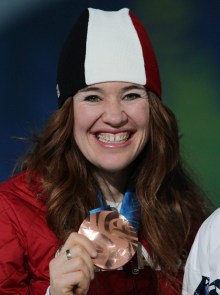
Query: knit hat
column 106, row 46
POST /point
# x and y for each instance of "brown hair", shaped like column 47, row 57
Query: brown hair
column 172, row 206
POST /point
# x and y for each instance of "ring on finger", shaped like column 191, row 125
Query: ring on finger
column 68, row 254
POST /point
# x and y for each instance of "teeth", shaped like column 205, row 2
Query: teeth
column 108, row 137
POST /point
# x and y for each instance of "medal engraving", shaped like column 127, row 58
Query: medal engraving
column 115, row 239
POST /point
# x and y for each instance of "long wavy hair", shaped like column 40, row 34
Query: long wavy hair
column 172, row 206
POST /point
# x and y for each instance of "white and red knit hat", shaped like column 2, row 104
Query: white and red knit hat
column 106, row 46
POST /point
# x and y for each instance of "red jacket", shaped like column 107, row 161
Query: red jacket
column 27, row 245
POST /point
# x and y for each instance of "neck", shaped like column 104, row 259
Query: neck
column 113, row 185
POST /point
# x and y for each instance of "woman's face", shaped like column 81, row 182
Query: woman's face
column 111, row 123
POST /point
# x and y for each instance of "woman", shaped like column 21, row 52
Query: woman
column 202, row 271
column 111, row 142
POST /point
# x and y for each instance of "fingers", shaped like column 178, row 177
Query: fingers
column 78, row 239
column 65, row 283
column 81, row 248
column 80, row 259
column 74, row 269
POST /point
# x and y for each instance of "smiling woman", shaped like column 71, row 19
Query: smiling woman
column 111, row 145
column 111, row 124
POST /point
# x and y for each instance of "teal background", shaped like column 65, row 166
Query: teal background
column 186, row 37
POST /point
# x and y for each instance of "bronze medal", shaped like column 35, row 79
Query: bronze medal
column 115, row 239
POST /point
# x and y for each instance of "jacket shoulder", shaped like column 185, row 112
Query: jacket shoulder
column 25, row 237
column 16, row 190
column 202, row 268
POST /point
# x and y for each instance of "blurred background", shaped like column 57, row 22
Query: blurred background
column 186, row 38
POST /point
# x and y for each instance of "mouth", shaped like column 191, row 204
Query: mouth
column 113, row 138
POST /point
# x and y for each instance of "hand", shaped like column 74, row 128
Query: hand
column 72, row 276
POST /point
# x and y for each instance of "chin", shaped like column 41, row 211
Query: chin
column 114, row 169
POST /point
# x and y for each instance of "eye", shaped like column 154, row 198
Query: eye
column 132, row 96
column 92, row 98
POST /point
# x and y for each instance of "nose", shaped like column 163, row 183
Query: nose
column 114, row 114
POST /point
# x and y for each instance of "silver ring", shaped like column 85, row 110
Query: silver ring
column 68, row 254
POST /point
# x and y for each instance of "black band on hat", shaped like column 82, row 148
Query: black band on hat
column 70, row 75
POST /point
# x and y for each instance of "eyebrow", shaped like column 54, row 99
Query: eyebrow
column 126, row 88
column 86, row 89
column 131, row 87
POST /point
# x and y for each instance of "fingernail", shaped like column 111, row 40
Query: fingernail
column 94, row 253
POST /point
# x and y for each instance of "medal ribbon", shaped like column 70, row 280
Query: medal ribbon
column 130, row 208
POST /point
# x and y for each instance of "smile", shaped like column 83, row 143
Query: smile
column 113, row 138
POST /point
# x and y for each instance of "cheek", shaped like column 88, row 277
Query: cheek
column 78, row 126
column 79, row 130
column 141, row 115
column 82, row 120
column 84, row 117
